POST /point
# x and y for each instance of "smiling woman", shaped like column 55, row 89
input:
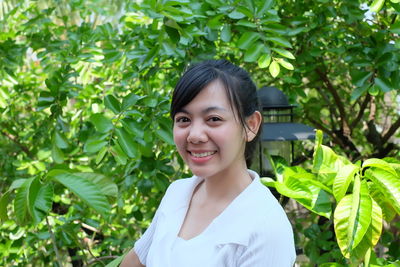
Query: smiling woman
column 223, row 215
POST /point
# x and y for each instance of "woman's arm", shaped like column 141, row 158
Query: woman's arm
column 131, row 260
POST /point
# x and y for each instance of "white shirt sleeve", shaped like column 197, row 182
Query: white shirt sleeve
column 270, row 249
column 142, row 245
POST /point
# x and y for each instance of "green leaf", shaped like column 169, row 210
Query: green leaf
column 119, row 155
column 279, row 41
column 60, row 140
column 43, row 202
column 285, row 64
column 356, row 93
column 331, row 264
column 387, row 209
column 87, row 191
column 395, row 27
column 352, row 219
column 4, row 96
column 383, row 84
column 31, row 198
column 106, row 185
column 388, row 183
column 267, row 4
column 126, row 142
column 166, row 136
column 112, row 104
column 253, row 52
column 360, row 77
column 284, row 53
column 274, row 69
column 133, row 127
column 57, row 154
column 4, row 200
column 376, row 5
column 130, row 100
column 236, row 15
column 379, row 163
column 361, row 212
column 344, row 177
column 101, row 122
column 117, row 261
column 264, row 61
column 101, row 154
column 21, row 202
column 302, row 187
column 94, row 144
column 247, row 39
column 372, row 235
column 226, row 34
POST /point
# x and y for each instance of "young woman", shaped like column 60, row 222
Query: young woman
column 223, row 216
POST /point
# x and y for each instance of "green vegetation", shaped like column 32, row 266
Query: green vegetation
column 86, row 149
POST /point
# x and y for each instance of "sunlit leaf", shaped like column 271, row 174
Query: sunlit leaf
column 376, row 5
column 388, row 184
column 86, row 191
column 126, row 141
column 274, row 69
column 101, row 122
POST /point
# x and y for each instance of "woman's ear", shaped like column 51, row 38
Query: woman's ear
column 253, row 125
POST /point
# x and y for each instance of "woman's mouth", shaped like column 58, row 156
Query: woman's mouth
column 202, row 154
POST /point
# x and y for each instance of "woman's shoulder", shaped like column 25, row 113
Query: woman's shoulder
column 178, row 193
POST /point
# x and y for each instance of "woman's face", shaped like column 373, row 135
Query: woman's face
column 208, row 135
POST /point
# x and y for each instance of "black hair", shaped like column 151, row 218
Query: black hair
column 240, row 89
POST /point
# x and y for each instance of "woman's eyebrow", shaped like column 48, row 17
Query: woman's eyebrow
column 206, row 110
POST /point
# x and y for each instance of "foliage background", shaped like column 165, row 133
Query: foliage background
column 85, row 88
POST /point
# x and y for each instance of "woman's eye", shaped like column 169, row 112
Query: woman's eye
column 182, row 120
column 214, row 119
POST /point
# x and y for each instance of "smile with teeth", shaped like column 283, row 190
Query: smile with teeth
column 202, row 155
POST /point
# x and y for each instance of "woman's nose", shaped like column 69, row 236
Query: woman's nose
column 197, row 134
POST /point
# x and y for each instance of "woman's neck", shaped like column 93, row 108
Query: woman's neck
column 225, row 186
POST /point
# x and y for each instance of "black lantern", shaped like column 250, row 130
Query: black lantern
column 278, row 130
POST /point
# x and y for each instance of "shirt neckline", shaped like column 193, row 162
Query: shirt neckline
column 255, row 178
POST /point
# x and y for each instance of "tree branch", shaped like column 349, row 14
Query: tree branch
column 101, row 259
column 318, row 125
column 15, row 141
column 391, row 131
column 53, row 239
column 361, row 111
column 338, row 101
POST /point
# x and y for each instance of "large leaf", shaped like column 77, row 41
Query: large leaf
column 381, row 164
column 387, row 209
column 327, row 164
column 101, row 122
column 112, row 103
column 352, row 218
column 247, row 39
column 304, row 190
column 362, row 214
column 344, row 177
column 87, row 191
column 126, row 142
column 107, row 187
column 388, row 183
column 377, row 5
column 274, row 69
column 43, row 202
column 33, row 192
column 372, row 235
column 4, row 199
column 21, row 202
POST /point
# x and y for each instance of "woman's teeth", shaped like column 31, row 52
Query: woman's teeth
column 201, row 155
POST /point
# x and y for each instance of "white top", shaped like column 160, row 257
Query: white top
column 253, row 231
